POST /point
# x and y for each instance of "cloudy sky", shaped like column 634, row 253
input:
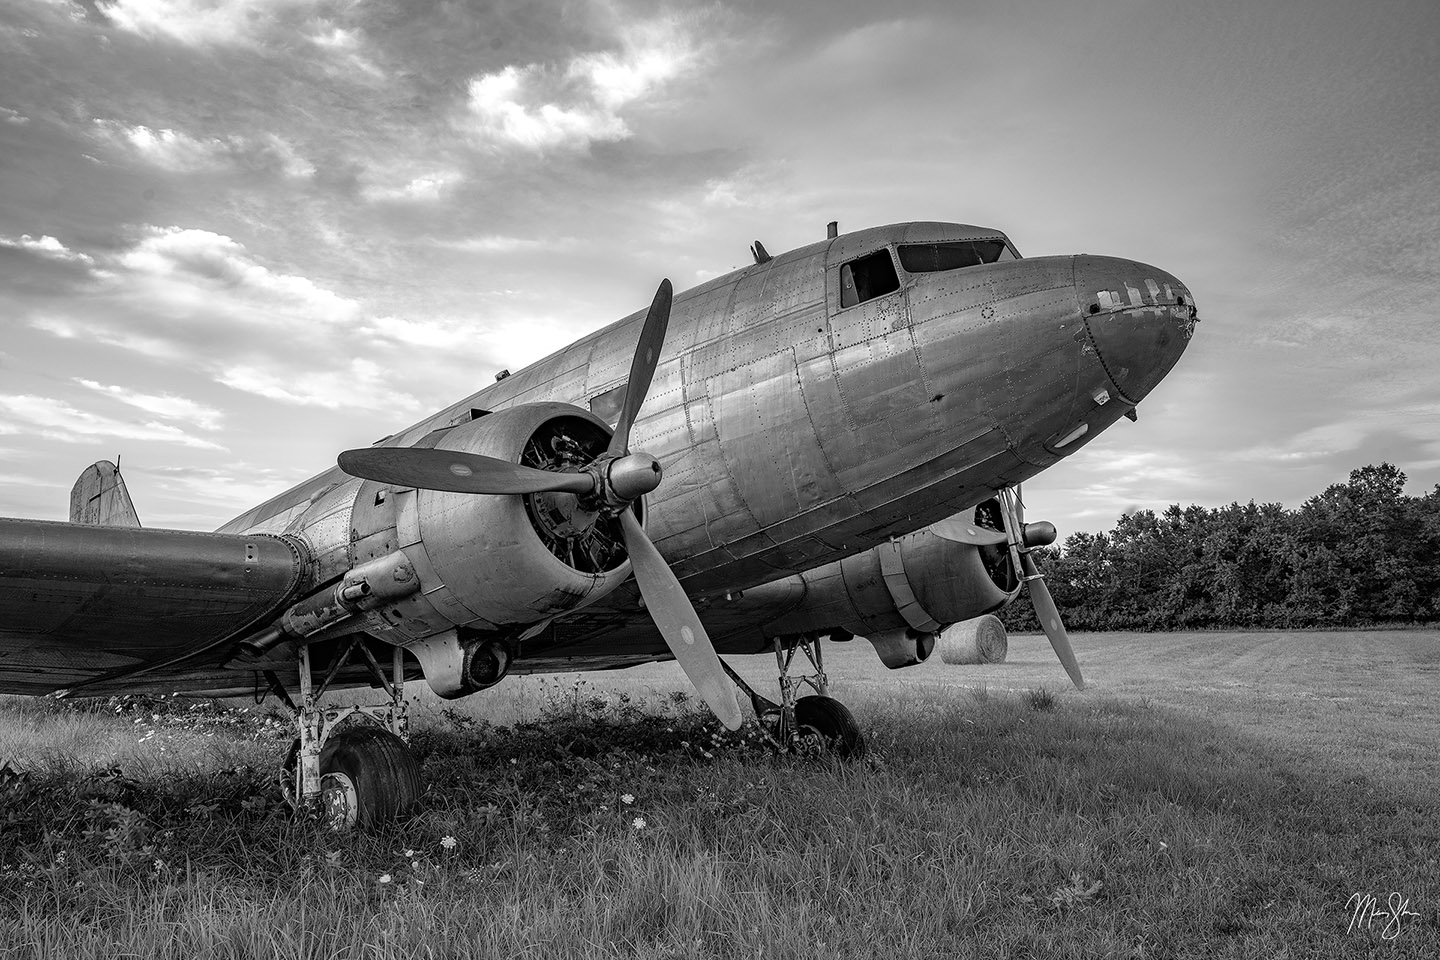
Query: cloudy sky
column 236, row 238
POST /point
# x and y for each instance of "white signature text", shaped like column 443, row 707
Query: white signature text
column 1366, row 910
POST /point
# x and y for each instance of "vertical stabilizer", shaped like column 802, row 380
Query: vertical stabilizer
column 99, row 498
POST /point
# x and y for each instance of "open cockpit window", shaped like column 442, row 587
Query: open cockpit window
column 951, row 255
column 869, row 277
column 607, row 405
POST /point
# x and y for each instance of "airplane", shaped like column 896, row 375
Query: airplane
column 825, row 444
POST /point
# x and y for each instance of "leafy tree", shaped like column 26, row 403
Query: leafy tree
column 1361, row 552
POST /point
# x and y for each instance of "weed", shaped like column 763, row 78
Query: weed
column 1041, row 700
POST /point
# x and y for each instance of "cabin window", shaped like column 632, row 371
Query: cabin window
column 951, row 255
column 607, row 405
column 867, row 278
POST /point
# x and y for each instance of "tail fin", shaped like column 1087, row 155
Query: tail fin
column 99, row 498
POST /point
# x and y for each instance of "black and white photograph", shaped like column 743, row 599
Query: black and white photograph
column 717, row 479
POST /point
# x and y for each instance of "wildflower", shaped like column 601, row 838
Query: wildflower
column 638, row 823
column 627, row 799
column 409, row 854
column 449, row 843
column 384, row 878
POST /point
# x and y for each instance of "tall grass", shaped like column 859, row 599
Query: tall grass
column 1025, row 824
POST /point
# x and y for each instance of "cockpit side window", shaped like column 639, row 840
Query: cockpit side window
column 951, row 255
column 607, row 405
column 871, row 276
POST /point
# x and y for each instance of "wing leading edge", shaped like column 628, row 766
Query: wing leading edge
column 84, row 604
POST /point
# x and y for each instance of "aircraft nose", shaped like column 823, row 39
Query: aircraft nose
column 1139, row 317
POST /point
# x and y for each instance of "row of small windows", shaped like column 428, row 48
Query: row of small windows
column 873, row 275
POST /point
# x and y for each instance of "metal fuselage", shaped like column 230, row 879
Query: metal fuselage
column 794, row 430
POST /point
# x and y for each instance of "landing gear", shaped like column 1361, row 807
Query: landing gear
column 829, row 721
column 808, row 723
column 350, row 766
column 367, row 776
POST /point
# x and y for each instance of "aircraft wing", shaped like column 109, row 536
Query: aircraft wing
column 84, row 604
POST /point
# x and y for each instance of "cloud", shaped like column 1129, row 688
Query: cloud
column 167, row 405
column 158, row 347
column 13, row 116
column 363, row 383
column 343, row 45
column 48, row 247
column 185, row 269
column 752, row 186
column 236, row 488
column 203, row 300
column 179, row 152
column 499, row 243
column 536, row 107
column 201, row 22
column 57, row 420
column 420, row 189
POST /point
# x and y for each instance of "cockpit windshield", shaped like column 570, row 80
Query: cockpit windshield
column 951, row 254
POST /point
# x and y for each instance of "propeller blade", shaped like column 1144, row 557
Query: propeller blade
column 1049, row 616
column 678, row 623
column 960, row 531
column 453, row 470
column 642, row 367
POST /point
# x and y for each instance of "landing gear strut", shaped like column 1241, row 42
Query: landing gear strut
column 351, row 766
column 801, row 724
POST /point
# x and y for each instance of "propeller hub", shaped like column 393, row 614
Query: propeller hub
column 634, row 475
column 1039, row 534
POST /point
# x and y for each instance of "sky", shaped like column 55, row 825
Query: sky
column 237, row 238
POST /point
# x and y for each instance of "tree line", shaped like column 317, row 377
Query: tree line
column 1359, row 554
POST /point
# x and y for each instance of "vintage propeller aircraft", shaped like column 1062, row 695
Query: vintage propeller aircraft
column 824, row 444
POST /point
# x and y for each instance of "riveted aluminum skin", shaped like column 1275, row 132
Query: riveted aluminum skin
column 82, row 602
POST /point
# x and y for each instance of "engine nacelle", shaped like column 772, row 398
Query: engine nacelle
column 901, row 594
column 492, row 567
column 496, row 555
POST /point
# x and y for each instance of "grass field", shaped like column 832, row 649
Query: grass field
column 1210, row 795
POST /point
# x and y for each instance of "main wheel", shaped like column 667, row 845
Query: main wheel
column 831, row 721
column 367, row 776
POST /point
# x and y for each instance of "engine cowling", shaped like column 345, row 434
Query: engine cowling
column 520, row 559
column 901, row 594
column 492, row 567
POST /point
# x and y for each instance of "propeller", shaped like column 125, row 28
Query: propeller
column 1021, row 538
column 457, row 472
column 616, row 478
column 960, row 531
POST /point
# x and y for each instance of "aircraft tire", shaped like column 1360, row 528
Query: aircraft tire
column 368, row 776
column 833, row 722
